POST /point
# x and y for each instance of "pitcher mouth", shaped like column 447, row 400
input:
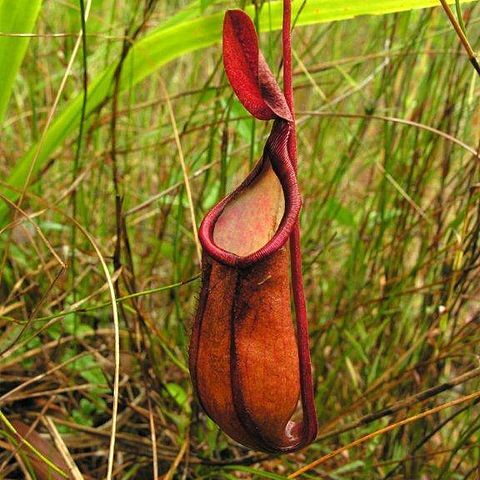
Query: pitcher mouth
column 275, row 154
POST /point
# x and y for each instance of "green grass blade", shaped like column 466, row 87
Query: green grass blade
column 185, row 35
column 15, row 17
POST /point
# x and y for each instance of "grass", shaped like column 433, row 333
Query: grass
column 388, row 124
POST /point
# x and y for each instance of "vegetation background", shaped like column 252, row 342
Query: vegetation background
column 98, row 260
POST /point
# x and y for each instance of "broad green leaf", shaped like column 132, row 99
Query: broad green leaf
column 167, row 42
column 177, row 393
column 192, row 10
column 88, row 368
column 17, row 16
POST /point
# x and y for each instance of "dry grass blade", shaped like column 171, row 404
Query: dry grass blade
column 382, row 431
column 62, row 448
column 461, row 35
column 116, row 327
column 186, row 179
column 178, row 459
column 400, row 121
column 402, row 404
column 39, row 377
column 35, row 226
